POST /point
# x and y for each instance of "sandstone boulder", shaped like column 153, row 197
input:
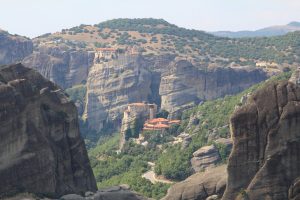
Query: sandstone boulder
column 205, row 157
column 41, row 150
column 209, row 184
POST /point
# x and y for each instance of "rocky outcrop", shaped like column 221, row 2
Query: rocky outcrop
column 210, row 184
column 184, row 85
column 175, row 85
column 41, row 150
column 112, row 193
column 66, row 67
column 265, row 160
column 13, row 48
column 112, row 85
column 205, row 157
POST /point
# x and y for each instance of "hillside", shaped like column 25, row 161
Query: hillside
column 156, row 36
column 264, row 32
column 154, row 61
column 210, row 122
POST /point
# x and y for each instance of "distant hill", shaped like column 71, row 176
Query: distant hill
column 157, row 36
column 264, row 32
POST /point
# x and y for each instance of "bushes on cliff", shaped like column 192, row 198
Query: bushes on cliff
column 111, row 168
column 77, row 93
column 174, row 164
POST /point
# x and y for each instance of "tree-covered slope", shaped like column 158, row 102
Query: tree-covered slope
column 172, row 162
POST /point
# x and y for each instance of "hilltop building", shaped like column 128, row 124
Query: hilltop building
column 267, row 65
column 137, row 109
column 144, row 113
column 105, row 54
column 159, row 124
column 136, row 112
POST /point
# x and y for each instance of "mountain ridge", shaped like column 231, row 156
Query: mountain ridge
column 270, row 31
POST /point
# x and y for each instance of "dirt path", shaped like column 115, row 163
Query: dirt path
column 150, row 175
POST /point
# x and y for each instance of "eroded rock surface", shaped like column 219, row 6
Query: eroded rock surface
column 205, row 157
column 65, row 67
column 41, row 149
column 13, row 48
column 265, row 160
column 184, row 85
column 112, row 193
column 173, row 85
column 112, row 85
column 200, row 186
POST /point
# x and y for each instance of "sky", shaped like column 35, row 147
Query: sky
column 32, row 18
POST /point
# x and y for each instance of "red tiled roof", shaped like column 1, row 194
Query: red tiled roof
column 148, row 125
column 156, row 120
column 161, row 126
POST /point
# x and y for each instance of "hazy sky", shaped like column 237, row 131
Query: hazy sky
column 35, row 17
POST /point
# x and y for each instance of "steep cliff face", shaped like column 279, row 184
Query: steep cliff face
column 112, row 85
column 41, row 150
column 65, row 67
column 173, row 85
column 13, row 48
column 184, row 85
column 265, row 160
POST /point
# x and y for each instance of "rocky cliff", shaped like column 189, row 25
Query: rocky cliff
column 13, row 48
column 62, row 65
column 41, row 150
column 265, row 160
column 171, row 84
column 184, row 85
column 112, row 85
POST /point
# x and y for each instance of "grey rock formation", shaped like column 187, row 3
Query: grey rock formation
column 184, row 85
column 117, row 193
column 65, row 67
column 200, row 186
column 265, row 160
column 179, row 85
column 205, row 157
column 171, row 84
column 112, row 85
column 13, row 48
column 41, row 149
